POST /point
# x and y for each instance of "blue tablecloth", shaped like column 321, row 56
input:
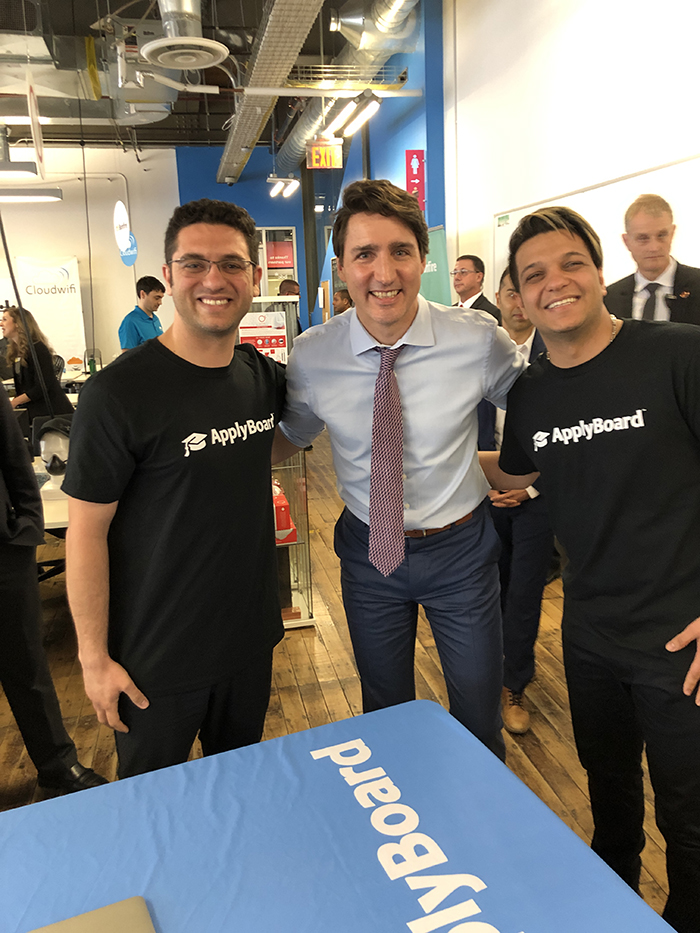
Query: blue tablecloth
column 422, row 829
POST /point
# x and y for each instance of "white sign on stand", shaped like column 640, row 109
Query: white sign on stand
column 267, row 331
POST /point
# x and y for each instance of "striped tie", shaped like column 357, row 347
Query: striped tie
column 386, row 526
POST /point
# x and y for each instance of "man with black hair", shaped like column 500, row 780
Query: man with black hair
column 142, row 323
column 468, row 279
column 171, row 564
column 610, row 417
column 288, row 287
column 396, row 380
column 341, row 301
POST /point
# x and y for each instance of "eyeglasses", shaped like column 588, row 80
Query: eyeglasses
column 463, row 272
column 198, row 268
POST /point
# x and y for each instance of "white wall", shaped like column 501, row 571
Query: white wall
column 546, row 97
column 56, row 230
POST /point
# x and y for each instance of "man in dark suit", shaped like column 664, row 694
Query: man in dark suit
column 468, row 277
column 661, row 289
column 521, row 520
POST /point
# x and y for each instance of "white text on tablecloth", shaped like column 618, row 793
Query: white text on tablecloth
column 414, row 852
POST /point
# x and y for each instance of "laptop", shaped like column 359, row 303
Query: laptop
column 129, row 916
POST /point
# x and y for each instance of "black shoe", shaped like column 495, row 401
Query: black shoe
column 76, row 778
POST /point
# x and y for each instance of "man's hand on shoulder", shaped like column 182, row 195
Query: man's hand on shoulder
column 689, row 634
column 104, row 682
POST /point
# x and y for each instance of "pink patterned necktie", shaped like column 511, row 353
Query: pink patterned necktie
column 386, row 525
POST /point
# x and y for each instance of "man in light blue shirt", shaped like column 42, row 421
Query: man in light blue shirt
column 450, row 360
column 142, row 323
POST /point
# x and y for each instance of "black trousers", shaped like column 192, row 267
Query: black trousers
column 616, row 710
column 226, row 715
column 527, row 543
column 24, row 669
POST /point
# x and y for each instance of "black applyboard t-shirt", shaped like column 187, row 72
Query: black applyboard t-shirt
column 617, row 440
column 186, row 451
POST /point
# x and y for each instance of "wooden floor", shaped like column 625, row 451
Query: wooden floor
column 315, row 682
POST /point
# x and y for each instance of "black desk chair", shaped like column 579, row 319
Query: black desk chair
column 59, row 364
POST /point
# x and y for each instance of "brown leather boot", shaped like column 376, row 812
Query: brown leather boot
column 516, row 718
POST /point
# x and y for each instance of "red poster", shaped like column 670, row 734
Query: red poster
column 415, row 174
column 280, row 254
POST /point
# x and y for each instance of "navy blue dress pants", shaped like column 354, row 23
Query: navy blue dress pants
column 617, row 709
column 454, row 575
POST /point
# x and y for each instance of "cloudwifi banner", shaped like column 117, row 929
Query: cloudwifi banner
column 50, row 289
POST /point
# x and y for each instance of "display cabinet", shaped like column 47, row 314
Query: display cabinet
column 292, row 533
column 271, row 327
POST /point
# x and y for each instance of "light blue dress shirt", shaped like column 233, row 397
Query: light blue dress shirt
column 452, row 359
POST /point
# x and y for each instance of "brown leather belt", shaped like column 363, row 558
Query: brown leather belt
column 424, row 532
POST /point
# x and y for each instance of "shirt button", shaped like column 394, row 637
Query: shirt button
column 406, row 505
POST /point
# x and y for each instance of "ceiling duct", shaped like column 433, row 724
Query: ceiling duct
column 285, row 25
column 375, row 31
column 183, row 47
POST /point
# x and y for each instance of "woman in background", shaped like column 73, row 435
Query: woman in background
column 28, row 391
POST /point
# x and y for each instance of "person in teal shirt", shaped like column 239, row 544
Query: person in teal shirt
column 142, row 323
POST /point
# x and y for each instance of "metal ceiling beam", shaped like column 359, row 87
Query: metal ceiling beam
column 285, row 24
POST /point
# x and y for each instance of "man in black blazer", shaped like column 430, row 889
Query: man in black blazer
column 661, row 289
column 468, row 277
column 521, row 520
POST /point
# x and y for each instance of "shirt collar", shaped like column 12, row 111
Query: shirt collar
column 470, row 301
column 666, row 278
column 526, row 347
column 419, row 334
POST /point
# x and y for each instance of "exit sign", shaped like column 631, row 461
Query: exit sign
column 324, row 154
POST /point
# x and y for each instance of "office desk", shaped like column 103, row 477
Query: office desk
column 275, row 839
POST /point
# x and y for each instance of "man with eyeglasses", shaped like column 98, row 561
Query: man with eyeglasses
column 468, row 279
column 171, row 552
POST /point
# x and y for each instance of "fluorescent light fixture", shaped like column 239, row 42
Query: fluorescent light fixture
column 291, row 187
column 29, row 195
column 318, row 208
column 17, row 170
column 342, row 118
column 22, row 120
column 277, row 184
column 362, row 117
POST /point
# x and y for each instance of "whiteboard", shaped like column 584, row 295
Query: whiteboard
column 604, row 207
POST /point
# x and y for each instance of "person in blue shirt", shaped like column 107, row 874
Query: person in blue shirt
column 142, row 323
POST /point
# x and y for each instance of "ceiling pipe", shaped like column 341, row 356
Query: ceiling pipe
column 181, row 18
column 373, row 37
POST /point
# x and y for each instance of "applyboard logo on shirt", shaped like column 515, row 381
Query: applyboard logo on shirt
column 194, row 442
column 585, row 430
column 226, row 436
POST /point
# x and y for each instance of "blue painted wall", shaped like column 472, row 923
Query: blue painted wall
column 196, row 173
column 408, row 123
column 402, row 123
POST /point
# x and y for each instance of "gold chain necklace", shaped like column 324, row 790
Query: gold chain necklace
column 614, row 321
